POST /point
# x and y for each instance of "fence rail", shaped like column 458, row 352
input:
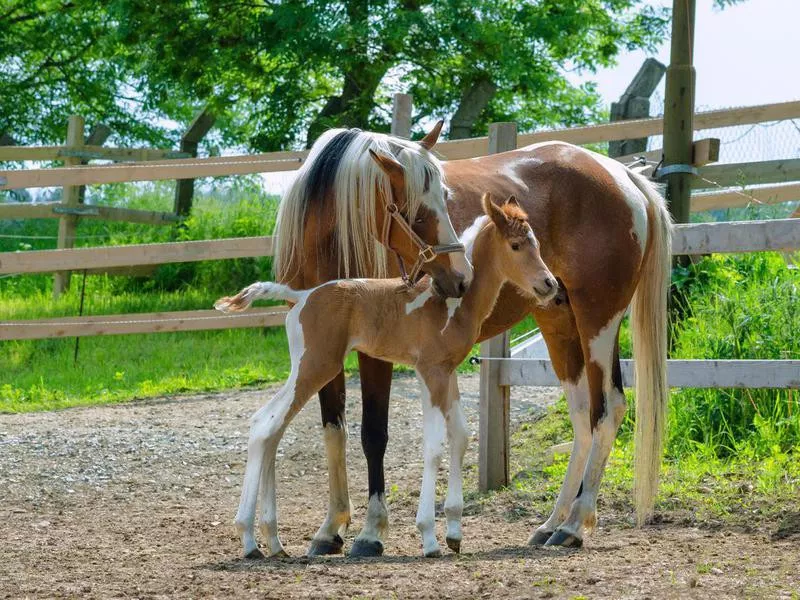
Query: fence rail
column 161, row 322
column 75, row 259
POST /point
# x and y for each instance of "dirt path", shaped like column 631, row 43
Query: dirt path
column 137, row 500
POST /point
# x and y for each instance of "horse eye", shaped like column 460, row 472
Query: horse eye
column 419, row 220
column 515, row 246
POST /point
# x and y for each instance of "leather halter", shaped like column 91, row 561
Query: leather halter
column 426, row 252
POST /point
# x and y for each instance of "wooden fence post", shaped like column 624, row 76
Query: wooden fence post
column 401, row 115
column 635, row 104
column 493, row 430
column 184, row 188
column 679, row 110
column 97, row 137
column 70, row 199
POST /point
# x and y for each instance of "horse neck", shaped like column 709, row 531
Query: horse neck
column 480, row 298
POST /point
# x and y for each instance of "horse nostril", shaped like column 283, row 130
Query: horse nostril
column 462, row 288
column 549, row 283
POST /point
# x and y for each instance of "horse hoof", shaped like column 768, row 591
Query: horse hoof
column 564, row 539
column 539, row 537
column 433, row 554
column 454, row 545
column 324, row 547
column 280, row 554
column 254, row 554
column 362, row 548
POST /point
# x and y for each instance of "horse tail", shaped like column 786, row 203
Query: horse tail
column 261, row 289
column 649, row 333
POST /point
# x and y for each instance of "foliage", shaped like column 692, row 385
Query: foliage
column 277, row 73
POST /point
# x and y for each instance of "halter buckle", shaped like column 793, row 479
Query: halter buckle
column 427, row 254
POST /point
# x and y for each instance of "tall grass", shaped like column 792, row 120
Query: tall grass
column 742, row 307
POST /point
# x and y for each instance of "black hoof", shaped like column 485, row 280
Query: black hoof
column 564, row 539
column 280, row 554
column 539, row 538
column 324, row 547
column 255, row 554
column 366, row 548
column 454, row 545
column 435, row 554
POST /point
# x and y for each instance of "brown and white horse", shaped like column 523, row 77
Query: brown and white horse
column 605, row 234
column 385, row 319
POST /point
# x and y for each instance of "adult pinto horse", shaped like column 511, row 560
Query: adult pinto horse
column 358, row 196
column 605, row 233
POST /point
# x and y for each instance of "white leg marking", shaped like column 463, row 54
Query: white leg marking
column 377, row 522
column 266, row 428
column 339, row 510
column 583, row 512
column 458, row 435
column 578, row 401
column 433, row 447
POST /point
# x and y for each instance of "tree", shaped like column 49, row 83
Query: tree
column 278, row 72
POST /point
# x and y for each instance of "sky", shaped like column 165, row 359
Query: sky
column 745, row 54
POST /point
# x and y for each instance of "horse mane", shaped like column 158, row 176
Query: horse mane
column 339, row 168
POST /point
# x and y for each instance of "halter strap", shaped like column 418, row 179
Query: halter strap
column 426, row 252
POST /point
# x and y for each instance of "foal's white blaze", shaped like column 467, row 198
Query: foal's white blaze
column 433, row 431
column 577, row 394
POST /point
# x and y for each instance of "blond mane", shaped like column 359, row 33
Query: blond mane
column 353, row 180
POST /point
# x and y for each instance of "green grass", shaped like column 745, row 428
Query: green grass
column 748, row 490
column 43, row 375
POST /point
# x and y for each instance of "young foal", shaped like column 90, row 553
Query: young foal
column 385, row 320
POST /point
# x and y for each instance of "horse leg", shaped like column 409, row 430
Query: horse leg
column 577, row 394
column 266, row 427
column 434, row 398
column 376, row 381
column 607, row 408
column 328, row 539
column 557, row 323
column 457, row 435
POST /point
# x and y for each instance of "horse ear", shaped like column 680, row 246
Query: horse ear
column 512, row 200
column 494, row 212
column 391, row 167
column 429, row 141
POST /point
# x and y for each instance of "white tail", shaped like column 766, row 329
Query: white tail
column 649, row 333
column 261, row 289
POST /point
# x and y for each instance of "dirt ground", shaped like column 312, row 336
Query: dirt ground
column 137, row 501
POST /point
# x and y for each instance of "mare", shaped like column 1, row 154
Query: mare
column 358, row 196
column 387, row 320
column 605, row 234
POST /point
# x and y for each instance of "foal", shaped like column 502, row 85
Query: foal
column 384, row 319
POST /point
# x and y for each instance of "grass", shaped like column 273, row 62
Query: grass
column 746, row 491
column 43, row 375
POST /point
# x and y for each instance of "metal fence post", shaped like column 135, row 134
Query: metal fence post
column 494, row 398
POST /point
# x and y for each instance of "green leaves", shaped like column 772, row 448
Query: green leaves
column 277, row 73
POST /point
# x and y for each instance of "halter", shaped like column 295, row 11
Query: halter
column 426, row 254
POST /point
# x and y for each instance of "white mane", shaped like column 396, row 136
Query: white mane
column 355, row 185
